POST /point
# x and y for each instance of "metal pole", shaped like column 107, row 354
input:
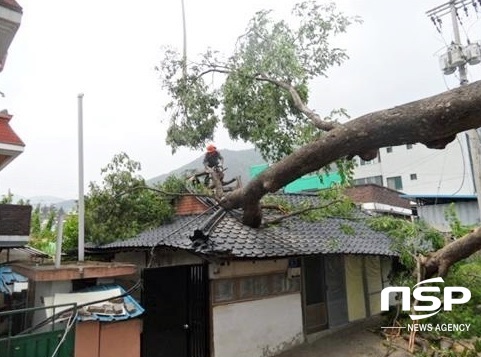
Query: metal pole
column 463, row 78
column 184, row 54
column 473, row 137
column 58, row 245
column 81, row 203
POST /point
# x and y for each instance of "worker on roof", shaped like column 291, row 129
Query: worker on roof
column 212, row 158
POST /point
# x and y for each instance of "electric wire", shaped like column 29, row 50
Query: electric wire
column 464, row 166
column 70, row 324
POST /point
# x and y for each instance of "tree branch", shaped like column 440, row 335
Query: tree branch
column 439, row 262
column 176, row 194
column 296, row 213
column 312, row 115
column 434, row 121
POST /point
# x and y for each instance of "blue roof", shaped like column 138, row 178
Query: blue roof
column 453, row 197
column 7, row 278
column 131, row 309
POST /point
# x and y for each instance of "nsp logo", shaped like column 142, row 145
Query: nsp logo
column 463, row 295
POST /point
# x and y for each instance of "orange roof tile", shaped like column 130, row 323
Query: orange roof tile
column 7, row 135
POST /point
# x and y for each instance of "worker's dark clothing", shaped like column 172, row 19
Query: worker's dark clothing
column 212, row 159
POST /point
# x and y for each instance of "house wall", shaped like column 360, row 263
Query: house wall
column 242, row 268
column 163, row 258
column 44, row 290
column 260, row 325
column 366, row 276
column 258, row 328
column 434, row 215
column 356, row 302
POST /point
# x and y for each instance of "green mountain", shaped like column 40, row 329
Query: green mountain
column 237, row 163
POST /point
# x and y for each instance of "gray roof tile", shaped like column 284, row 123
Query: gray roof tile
column 293, row 236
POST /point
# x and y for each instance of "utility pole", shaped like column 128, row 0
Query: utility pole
column 81, row 203
column 456, row 57
column 184, row 52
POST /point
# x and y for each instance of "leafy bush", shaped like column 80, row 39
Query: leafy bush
column 467, row 275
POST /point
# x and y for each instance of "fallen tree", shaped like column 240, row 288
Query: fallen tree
column 433, row 121
column 263, row 98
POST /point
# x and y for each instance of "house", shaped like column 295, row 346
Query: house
column 214, row 287
column 380, row 200
column 77, row 300
column 14, row 220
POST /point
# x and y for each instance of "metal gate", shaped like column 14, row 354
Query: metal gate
column 176, row 312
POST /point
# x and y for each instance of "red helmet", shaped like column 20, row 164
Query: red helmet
column 211, row 148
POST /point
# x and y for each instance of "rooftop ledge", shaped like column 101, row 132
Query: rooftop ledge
column 72, row 270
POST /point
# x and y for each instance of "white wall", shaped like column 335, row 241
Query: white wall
column 434, row 215
column 443, row 172
column 258, row 328
column 45, row 290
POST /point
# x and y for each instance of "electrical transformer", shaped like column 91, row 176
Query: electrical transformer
column 473, row 53
column 445, row 64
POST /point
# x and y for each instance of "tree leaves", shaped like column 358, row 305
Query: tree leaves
column 252, row 95
column 121, row 207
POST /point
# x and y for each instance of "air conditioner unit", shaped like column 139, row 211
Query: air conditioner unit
column 473, row 53
column 445, row 64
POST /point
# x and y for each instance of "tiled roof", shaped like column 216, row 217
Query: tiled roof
column 222, row 233
column 7, row 135
column 8, row 278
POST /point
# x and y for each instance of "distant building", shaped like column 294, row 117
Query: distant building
column 417, row 170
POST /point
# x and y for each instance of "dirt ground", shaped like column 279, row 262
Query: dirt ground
column 359, row 340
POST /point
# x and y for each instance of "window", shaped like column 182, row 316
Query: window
column 224, row 290
column 414, row 177
column 389, row 149
column 409, row 146
column 377, row 180
column 395, row 183
column 254, row 287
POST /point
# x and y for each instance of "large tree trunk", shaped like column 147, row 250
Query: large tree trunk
column 433, row 121
column 439, row 262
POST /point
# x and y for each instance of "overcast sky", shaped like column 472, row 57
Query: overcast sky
column 108, row 49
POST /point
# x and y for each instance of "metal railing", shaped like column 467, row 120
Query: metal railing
column 46, row 338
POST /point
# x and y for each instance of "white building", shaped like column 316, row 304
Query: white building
column 434, row 179
column 417, row 170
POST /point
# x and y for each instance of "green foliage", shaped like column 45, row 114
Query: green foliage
column 467, row 275
column 43, row 228
column 347, row 229
column 409, row 238
column 121, row 206
column 7, row 199
column 332, row 203
column 254, row 98
column 457, row 228
column 477, row 345
column 70, row 232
